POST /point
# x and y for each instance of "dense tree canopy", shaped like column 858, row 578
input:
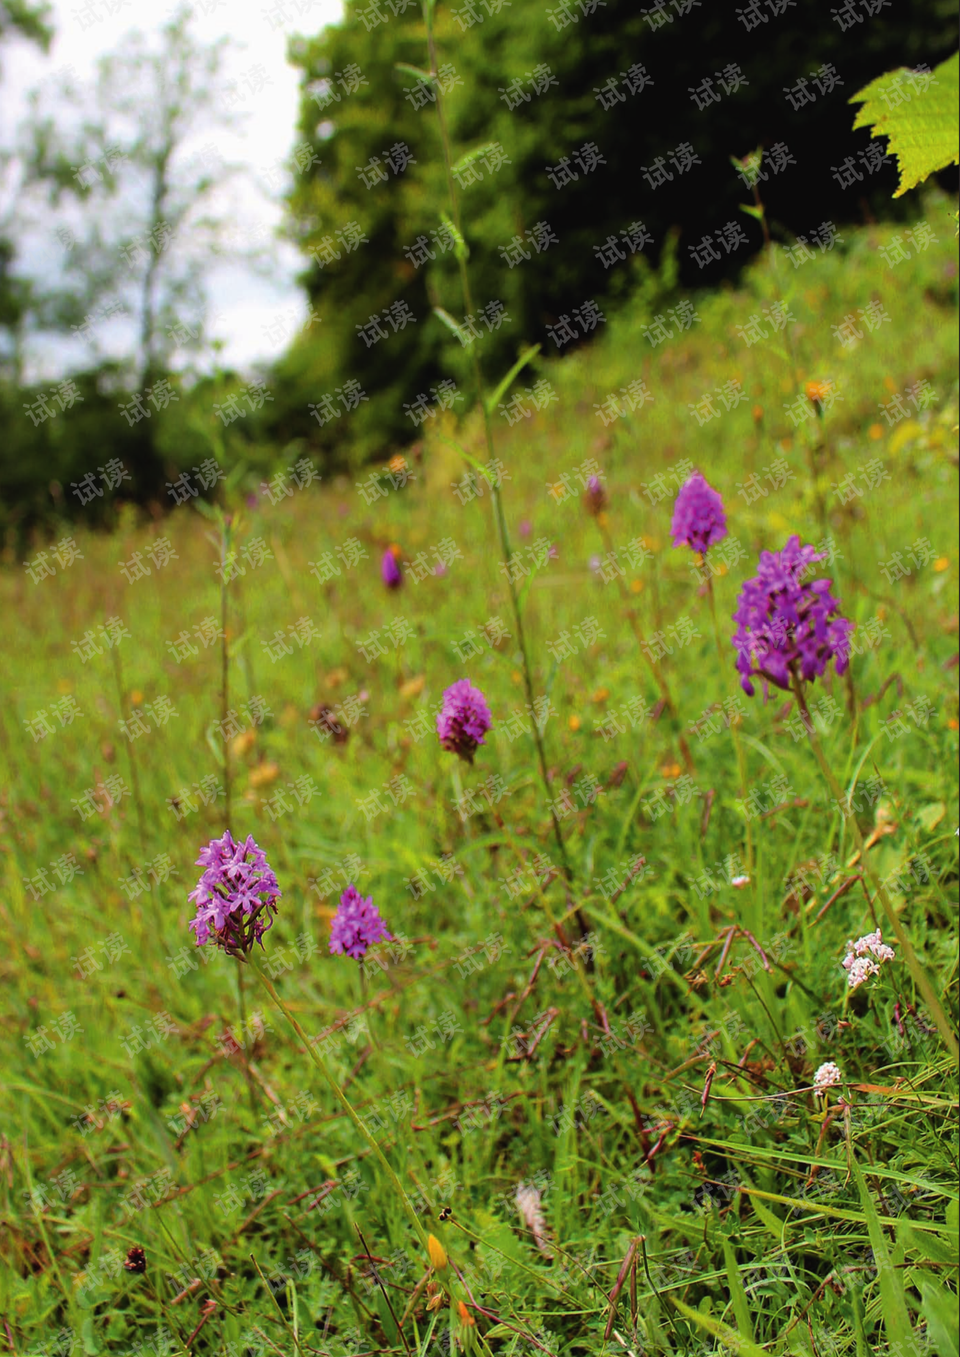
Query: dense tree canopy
column 609, row 129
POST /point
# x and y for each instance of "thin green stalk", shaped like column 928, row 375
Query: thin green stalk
column 646, row 1268
column 813, row 445
column 290, row 1330
column 225, row 565
column 368, row 1009
column 913, row 964
column 341, row 1099
column 655, row 669
column 498, row 513
column 554, row 922
column 738, row 747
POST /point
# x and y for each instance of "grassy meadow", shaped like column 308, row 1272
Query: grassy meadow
column 596, row 1090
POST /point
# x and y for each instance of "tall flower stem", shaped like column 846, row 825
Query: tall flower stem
column 225, row 568
column 493, row 479
column 811, row 445
column 923, row 984
column 370, row 1008
column 738, row 747
column 645, row 651
column 554, row 922
column 341, row 1098
column 814, row 444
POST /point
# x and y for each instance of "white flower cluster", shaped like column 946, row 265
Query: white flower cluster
column 864, row 957
column 826, row 1077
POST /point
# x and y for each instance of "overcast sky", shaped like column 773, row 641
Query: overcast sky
column 256, row 317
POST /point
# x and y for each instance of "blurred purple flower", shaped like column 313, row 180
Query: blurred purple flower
column 356, row 925
column 237, row 891
column 390, row 570
column 699, row 521
column 594, row 496
column 464, row 719
column 525, row 527
column 253, row 499
column 786, row 624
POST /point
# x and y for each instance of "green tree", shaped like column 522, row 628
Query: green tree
column 115, row 170
column 577, row 102
column 144, row 236
column 31, row 22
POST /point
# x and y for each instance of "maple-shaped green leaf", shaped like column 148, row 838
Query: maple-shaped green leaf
column 917, row 112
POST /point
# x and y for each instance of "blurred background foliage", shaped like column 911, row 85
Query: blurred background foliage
column 541, row 83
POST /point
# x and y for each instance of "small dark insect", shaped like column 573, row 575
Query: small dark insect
column 445, row 1213
column 136, row 1260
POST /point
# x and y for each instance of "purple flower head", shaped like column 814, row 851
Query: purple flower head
column 390, row 571
column 356, row 925
column 698, row 518
column 464, row 719
column 236, row 895
column 594, row 496
column 787, row 624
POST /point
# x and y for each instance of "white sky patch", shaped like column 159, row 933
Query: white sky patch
column 255, row 317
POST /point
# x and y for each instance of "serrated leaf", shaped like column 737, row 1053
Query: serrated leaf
column 920, row 125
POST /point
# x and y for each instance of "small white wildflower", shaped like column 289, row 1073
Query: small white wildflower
column 873, row 943
column 826, row 1077
column 863, row 957
column 861, row 968
column 740, row 882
